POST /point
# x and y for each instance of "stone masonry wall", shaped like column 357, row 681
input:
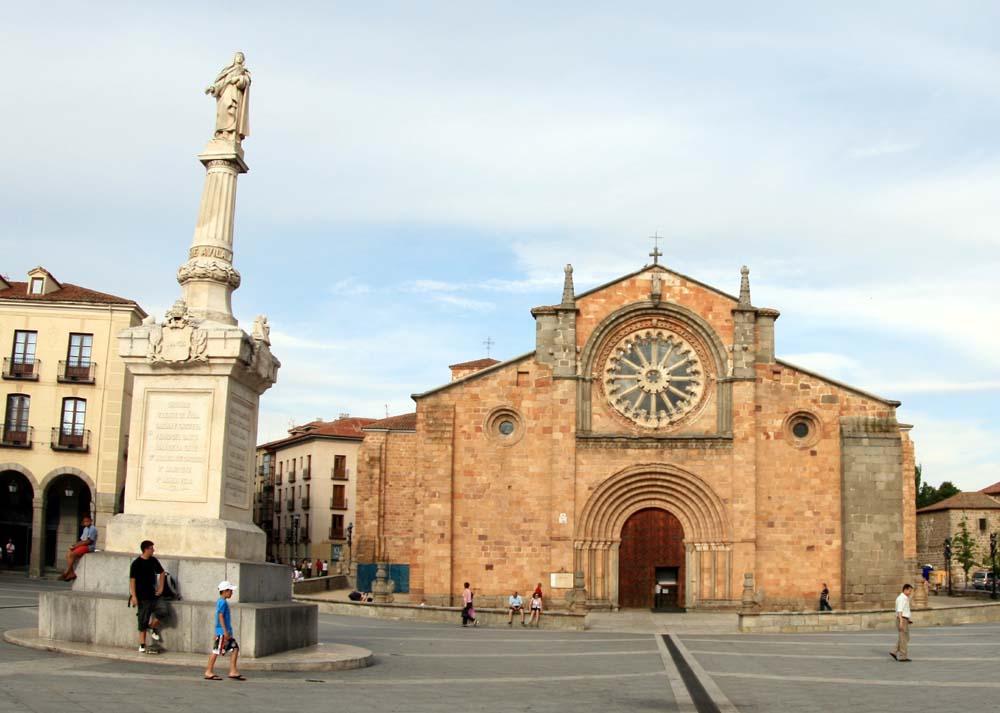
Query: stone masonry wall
column 874, row 566
column 799, row 504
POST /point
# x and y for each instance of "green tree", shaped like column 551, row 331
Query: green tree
column 963, row 548
column 927, row 494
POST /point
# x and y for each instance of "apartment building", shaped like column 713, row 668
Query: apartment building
column 305, row 489
column 66, row 400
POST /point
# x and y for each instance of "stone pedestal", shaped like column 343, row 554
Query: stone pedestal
column 265, row 619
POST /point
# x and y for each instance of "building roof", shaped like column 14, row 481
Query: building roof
column 992, row 489
column 964, row 501
column 342, row 428
column 403, row 422
column 66, row 293
column 476, row 364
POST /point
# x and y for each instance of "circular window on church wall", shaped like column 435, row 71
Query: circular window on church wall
column 504, row 425
column 802, row 429
column 653, row 378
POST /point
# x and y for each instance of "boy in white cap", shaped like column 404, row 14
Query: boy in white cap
column 225, row 642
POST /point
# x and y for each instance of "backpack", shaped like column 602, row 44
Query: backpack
column 171, row 590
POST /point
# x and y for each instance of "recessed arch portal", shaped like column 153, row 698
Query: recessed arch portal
column 699, row 511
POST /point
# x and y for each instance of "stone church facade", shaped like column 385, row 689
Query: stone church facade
column 651, row 450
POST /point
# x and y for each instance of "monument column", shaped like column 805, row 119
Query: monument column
column 198, row 378
column 37, row 533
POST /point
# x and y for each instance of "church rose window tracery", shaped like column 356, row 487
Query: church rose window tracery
column 653, row 377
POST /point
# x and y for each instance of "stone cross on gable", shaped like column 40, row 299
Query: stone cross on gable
column 656, row 254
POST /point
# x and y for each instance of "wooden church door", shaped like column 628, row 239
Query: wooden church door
column 652, row 545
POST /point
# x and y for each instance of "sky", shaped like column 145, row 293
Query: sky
column 420, row 173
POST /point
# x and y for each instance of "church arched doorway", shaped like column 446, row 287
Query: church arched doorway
column 16, row 495
column 651, row 560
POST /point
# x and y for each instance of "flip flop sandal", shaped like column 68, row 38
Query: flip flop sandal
column 213, row 677
column 236, row 678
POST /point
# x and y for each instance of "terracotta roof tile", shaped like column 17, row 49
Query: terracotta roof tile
column 68, row 293
column 341, row 428
column 992, row 489
column 964, row 501
column 477, row 364
column 404, row 422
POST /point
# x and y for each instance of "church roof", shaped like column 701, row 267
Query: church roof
column 474, row 375
column 403, row 422
column 644, row 268
column 475, row 364
column 964, row 501
column 840, row 384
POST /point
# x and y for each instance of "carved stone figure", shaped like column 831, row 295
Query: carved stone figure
column 231, row 90
column 262, row 330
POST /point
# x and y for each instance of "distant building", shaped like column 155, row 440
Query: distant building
column 305, row 489
column 66, row 401
column 981, row 512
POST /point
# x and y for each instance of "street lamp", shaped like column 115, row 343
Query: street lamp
column 12, row 486
column 350, row 531
column 947, row 561
column 295, row 536
column 993, row 563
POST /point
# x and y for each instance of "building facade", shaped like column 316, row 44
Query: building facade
column 66, row 400
column 979, row 511
column 650, row 450
column 305, row 490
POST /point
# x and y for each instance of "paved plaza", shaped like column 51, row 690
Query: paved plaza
column 435, row 667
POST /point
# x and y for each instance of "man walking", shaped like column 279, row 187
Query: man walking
column 901, row 653
column 145, row 585
column 8, row 553
column 824, row 599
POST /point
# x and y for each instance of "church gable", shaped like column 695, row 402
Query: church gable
column 658, row 285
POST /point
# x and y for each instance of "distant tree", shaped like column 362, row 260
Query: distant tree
column 963, row 548
column 927, row 494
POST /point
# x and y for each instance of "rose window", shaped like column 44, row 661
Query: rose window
column 653, row 378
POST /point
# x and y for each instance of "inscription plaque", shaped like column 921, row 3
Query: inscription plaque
column 174, row 463
column 561, row 580
column 239, row 450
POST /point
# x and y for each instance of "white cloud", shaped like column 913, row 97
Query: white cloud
column 964, row 451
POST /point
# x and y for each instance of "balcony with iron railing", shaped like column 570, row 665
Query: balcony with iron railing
column 336, row 533
column 339, row 473
column 76, row 373
column 304, row 537
column 305, row 503
column 290, row 504
column 70, row 439
column 277, row 479
column 25, row 368
column 338, row 503
column 306, row 474
column 16, row 435
column 291, row 476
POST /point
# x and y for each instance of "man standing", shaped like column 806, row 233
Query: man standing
column 86, row 543
column 901, row 652
column 516, row 605
column 145, row 585
column 8, row 553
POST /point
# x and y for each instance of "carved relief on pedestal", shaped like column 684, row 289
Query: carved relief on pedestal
column 178, row 339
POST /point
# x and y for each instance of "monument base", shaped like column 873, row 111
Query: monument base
column 265, row 619
column 187, row 537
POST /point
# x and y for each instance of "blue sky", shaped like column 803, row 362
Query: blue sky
column 420, row 173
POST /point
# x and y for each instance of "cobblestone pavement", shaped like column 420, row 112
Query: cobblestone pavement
column 953, row 668
column 419, row 667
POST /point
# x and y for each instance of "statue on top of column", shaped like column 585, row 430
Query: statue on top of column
column 231, row 90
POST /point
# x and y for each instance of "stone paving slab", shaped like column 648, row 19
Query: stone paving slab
column 322, row 657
